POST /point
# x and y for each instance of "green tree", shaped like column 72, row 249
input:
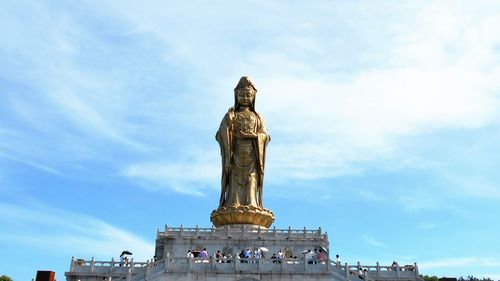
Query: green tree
column 430, row 278
column 5, row 278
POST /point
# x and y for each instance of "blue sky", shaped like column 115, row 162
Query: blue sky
column 384, row 119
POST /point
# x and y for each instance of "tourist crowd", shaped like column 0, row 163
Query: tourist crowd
column 248, row 255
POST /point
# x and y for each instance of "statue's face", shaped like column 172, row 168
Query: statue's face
column 245, row 96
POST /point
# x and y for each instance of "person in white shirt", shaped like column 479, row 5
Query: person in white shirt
column 309, row 256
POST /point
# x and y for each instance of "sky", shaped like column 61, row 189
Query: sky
column 384, row 117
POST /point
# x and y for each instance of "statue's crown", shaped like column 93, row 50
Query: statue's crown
column 245, row 82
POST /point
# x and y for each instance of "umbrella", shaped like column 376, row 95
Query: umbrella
column 324, row 250
column 264, row 249
column 126, row 253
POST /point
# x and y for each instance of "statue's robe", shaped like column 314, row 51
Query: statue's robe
column 243, row 159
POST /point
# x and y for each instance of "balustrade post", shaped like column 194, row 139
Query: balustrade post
column 328, row 264
column 305, row 264
column 319, row 231
column 190, row 263
column 358, row 268
column 182, row 230
column 274, row 231
column 416, row 270
column 397, row 270
column 92, row 264
column 378, row 269
column 167, row 263
column 132, row 265
column 289, row 231
column 258, row 233
column 166, row 230
column 212, row 263
column 347, row 271
column 242, row 230
column 235, row 262
column 112, row 265
column 197, row 230
column 212, row 229
column 305, row 235
column 227, row 229
column 72, row 265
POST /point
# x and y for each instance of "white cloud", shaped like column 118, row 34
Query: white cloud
column 188, row 177
column 66, row 233
column 493, row 276
column 460, row 262
column 473, row 185
column 437, row 73
column 426, row 225
column 32, row 164
column 371, row 196
column 334, row 110
column 372, row 241
column 367, row 115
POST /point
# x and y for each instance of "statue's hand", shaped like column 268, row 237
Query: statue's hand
column 248, row 135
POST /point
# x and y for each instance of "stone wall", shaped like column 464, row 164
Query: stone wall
column 175, row 242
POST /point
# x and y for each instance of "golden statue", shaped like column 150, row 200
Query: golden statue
column 243, row 139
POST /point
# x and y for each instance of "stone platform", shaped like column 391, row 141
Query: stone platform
column 173, row 243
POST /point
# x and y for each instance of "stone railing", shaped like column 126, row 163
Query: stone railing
column 140, row 270
column 296, row 266
column 245, row 265
column 378, row 272
column 240, row 230
column 221, row 266
column 106, row 267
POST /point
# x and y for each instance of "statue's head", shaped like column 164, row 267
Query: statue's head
column 244, row 93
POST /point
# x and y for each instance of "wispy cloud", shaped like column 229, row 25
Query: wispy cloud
column 371, row 196
column 189, row 177
column 372, row 241
column 67, row 233
column 332, row 123
column 493, row 276
column 479, row 186
column 460, row 262
column 32, row 164
column 426, row 225
column 419, row 201
column 333, row 115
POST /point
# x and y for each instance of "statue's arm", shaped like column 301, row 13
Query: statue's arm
column 224, row 137
column 262, row 134
column 261, row 125
column 263, row 138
